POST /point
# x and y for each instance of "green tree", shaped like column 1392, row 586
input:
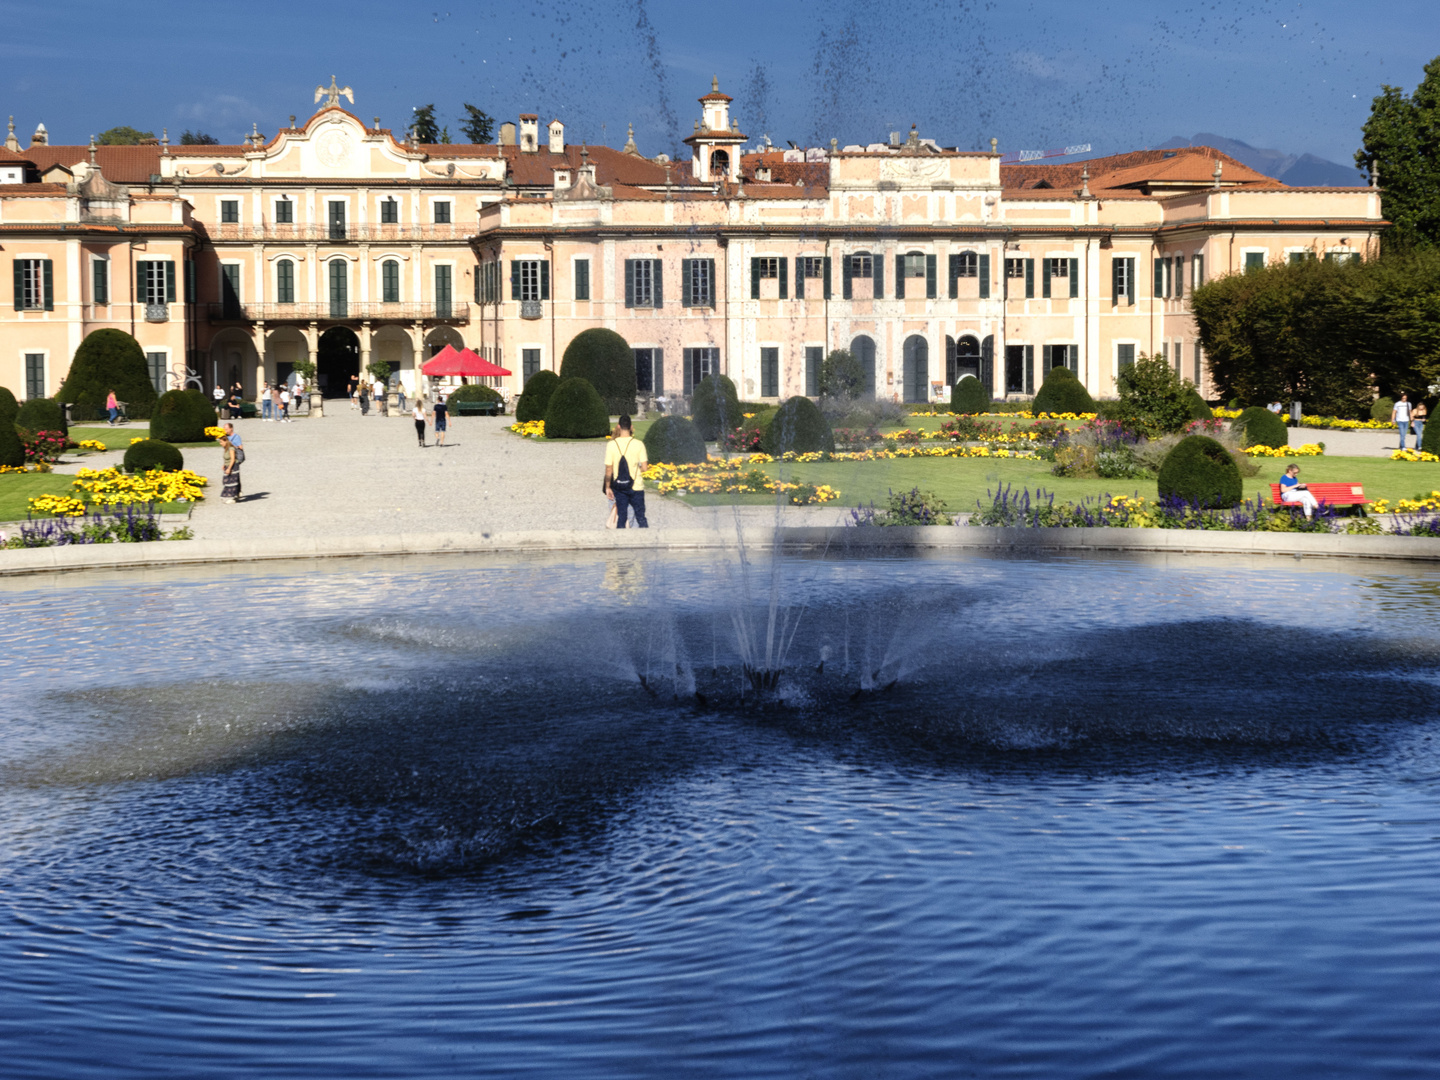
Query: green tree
column 841, row 375
column 197, row 138
column 1153, row 399
column 479, row 126
column 425, row 129
column 1402, row 137
column 123, row 136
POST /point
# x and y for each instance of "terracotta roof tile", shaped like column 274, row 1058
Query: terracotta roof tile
column 1121, row 170
column 120, row 164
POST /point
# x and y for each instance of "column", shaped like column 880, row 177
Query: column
column 364, row 347
column 260, row 355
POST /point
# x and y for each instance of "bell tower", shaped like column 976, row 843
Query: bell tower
column 715, row 146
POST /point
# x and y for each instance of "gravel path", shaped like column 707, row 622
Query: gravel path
column 1340, row 443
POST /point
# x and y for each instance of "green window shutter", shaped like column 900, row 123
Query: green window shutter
column 479, row 270
column 47, row 271
column 984, row 277
column 846, row 268
column 799, row 277
column 582, row 279
column 784, row 266
column 19, row 285
column 102, row 281
column 1115, row 273
column 1045, row 278
column 899, row 277
column 1199, row 270
column 754, row 279
column 1029, row 279
column 1179, row 276
column 1159, row 279
column 1047, row 357
column 141, row 276
column 514, row 279
column 930, row 277
column 827, row 277
column 657, row 275
column 630, row 283
column 714, row 284
column 1130, row 282
column 1074, row 278
column 659, row 369
column 1030, row 368
column 545, row 280
column 191, row 294
column 954, row 277
column 878, row 270
column 685, row 283
column 169, row 281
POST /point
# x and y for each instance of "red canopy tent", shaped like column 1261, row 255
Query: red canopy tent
column 450, row 361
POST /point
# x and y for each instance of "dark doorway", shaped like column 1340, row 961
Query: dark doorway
column 1014, row 369
column 338, row 361
column 967, row 359
column 917, row 369
column 863, row 349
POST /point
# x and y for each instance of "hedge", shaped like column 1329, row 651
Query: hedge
column 108, row 360
column 182, row 416
column 969, row 395
column 1062, row 392
column 41, row 414
column 535, row 398
column 715, row 407
column 474, row 392
column 12, row 450
column 798, row 425
column 576, row 411
column 1261, row 427
column 603, row 358
column 675, row 440
column 150, row 454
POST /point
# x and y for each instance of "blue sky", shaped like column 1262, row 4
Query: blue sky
column 1119, row 75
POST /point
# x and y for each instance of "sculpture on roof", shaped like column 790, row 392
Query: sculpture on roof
column 334, row 93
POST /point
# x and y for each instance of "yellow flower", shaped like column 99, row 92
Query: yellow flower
column 215, row 432
column 1413, row 455
column 92, row 444
column 530, row 429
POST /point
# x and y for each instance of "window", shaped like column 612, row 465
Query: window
column 444, row 295
column 1197, row 271
column 230, row 289
column 1254, row 260
column 582, row 279
column 155, row 282
column 914, row 265
column 1124, row 357
column 1162, row 278
column 967, row 264
column 1066, row 356
column 650, row 371
column 769, row 372
column 337, row 220
column 442, row 213
column 390, row 282
column 1014, row 268
column 812, row 267
column 100, row 281
column 529, row 363
column 719, row 165
column 698, row 364
column 697, row 282
column 34, row 285
column 1342, row 256
column 389, row 212
column 487, row 283
column 284, row 212
column 339, row 289
column 529, row 280
column 155, row 363
column 1059, row 267
column 285, row 281
column 644, row 283
column 1122, row 280
column 229, row 211
column 861, row 266
column 814, row 357
column 34, row 375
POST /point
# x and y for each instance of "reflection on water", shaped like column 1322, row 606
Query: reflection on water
column 1000, row 817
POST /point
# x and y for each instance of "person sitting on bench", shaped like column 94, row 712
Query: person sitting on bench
column 1293, row 491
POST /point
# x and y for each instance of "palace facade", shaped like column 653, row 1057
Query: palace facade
column 336, row 242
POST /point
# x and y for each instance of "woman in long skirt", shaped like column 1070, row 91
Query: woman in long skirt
column 230, row 489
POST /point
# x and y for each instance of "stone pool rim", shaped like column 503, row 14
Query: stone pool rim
column 803, row 539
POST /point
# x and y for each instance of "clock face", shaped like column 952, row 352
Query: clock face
column 333, row 148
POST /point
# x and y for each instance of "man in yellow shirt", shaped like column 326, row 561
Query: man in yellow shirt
column 625, row 463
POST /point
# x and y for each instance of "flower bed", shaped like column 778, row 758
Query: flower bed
column 739, row 476
column 92, row 444
column 1420, row 504
column 112, row 487
column 1413, row 455
column 1332, row 423
column 1308, row 450
column 115, row 528
column 530, row 429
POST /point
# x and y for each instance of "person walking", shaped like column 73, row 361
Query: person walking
column 441, row 414
column 364, row 396
column 267, row 410
column 112, row 406
column 1400, row 417
column 377, row 395
column 625, row 462
column 400, row 394
column 350, row 393
column 1417, row 422
column 234, row 457
column 285, row 404
column 419, row 414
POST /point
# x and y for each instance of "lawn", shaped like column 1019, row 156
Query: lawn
column 16, row 489
column 963, row 482
column 118, row 438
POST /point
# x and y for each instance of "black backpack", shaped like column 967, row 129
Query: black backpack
column 622, row 478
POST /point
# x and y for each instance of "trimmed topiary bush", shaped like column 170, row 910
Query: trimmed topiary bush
column 1382, row 408
column 715, row 407
column 969, row 395
column 1061, row 392
column 182, row 416
column 603, row 358
column 108, row 360
column 674, row 441
column 150, row 454
column 798, row 425
column 1260, row 427
column 1200, row 470
column 1198, row 409
column 576, row 411
column 843, row 376
column 1430, row 441
column 535, row 398
column 474, row 392
column 41, row 414
column 12, row 450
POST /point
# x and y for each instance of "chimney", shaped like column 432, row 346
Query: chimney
column 11, row 142
column 557, row 137
column 41, row 137
column 507, row 134
column 529, row 133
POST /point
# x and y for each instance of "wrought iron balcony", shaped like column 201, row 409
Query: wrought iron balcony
column 157, row 312
column 532, row 309
column 337, row 233
column 342, row 311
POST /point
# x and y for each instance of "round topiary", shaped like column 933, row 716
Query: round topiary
column 798, row 425
column 675, row 441
column 576, row 411
column 474, row 392
column 603, row 358
column 182, row 416
column 1198, row 409
column 1201, row 471
column 150, row 454
column 108, row 360
column 969, row 395
column 12, row 450
column 42, row 414
column 715, row 407
column 1382, row 408
column 1061, row 392
column 1261, row 427
column 535, row 399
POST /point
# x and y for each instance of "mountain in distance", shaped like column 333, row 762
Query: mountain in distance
column 1305, row 170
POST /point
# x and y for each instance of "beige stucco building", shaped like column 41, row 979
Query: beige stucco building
column 333, row 240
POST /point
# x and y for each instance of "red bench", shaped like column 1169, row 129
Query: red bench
column 1328, row 494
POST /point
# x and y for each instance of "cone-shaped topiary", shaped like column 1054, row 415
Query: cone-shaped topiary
column 1198, row 409
column 12, row 450
column 150, row 454
column 536, row 397
column 576, row 411
column 798, row 425
column 715, row 407
column 674, row 441
column 1382, row 408
column 41, row 414
column 1430, row 441
column 182, row 416
column 1261, row 427
column 108, row 360
column 1062, row 392
column 969, row 395
column 603, row 358
column 1200, row 470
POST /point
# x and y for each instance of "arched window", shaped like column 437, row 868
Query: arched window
column 719, row 164
column 967, row 358
column 863, row 349
column 390, row 281
column 917, row 368
column 285, row 281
